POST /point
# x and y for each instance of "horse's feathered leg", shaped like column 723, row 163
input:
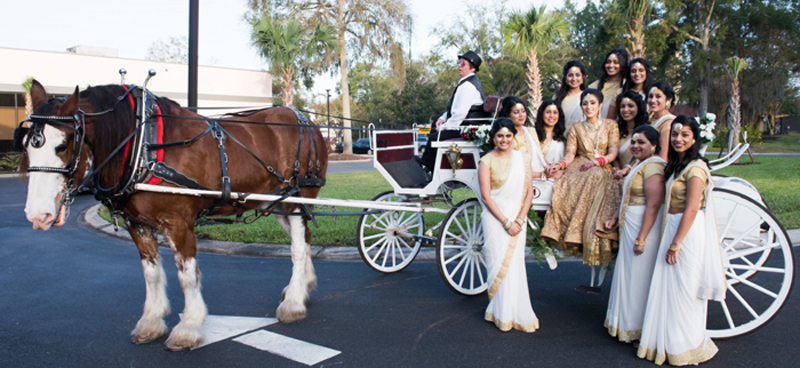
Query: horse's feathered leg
column 156, row 305
column 311, row 277
column 292, row 307
column 187, row 334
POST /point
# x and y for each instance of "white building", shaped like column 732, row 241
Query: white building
column 61, row 72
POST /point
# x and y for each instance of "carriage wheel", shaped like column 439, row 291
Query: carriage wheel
column 386, row 239
column 459, row 249
column 760, row 268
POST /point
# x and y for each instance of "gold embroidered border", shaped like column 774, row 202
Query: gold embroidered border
column 501, row 275
column 507, row 326
column 623, row 336
column 700, row 354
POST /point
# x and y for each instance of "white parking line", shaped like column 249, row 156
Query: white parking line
column 218, row 328
column 287, row 347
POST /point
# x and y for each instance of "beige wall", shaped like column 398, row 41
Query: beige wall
column 61, row 72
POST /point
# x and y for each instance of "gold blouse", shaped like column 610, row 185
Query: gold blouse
column 498, row 169
column 677, row 197
column 637, row 183
column 578, row 142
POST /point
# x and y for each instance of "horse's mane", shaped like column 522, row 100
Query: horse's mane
column 111, row 128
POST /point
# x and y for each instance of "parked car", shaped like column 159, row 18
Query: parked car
column 339, row 147
column 361, row 146
column 422, row 141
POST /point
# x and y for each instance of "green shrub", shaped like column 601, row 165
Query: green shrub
column 9, row 162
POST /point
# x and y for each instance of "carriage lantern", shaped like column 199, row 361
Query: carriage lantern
column 454, row 157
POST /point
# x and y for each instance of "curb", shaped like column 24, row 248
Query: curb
column 91, row 218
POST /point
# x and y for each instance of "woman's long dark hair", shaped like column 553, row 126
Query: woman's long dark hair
column 651, row 134
column 622, row 56
column 648, row 81
column 641, row 113
column 674, row 163
column 498, row 125
column 563, row 89
column 558, row 130
column 508, row 104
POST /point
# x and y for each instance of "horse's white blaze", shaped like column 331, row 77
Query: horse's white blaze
column 44, row 189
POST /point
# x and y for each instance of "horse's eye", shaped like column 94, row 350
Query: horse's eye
column 61, row 148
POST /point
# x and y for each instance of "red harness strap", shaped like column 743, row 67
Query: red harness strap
column 160, row 128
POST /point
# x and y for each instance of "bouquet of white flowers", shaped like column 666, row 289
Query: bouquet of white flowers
column 477, row 134
column 707, row 125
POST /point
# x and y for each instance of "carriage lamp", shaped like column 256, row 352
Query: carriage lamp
column 454, row 157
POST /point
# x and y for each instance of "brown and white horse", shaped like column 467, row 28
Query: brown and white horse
column 106, row 120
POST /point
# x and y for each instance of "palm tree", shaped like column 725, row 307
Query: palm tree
column 527, row 35
column 735, row 66
column 632, row 14
column 290, row 48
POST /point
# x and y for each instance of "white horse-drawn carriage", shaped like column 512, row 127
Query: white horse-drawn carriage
column 758, row 254
column 757, row 251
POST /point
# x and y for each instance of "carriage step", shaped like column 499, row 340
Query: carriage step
column 426, row 240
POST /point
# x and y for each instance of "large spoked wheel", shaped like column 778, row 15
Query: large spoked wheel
column 459, row 249
column 386, row 240
column 760, row 263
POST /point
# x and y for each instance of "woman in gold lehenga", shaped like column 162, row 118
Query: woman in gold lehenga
column 587, row 194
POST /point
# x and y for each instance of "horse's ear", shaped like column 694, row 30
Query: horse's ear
column 38, row 94
column 70, row 106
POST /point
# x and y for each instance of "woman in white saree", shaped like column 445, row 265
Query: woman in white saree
column 640, row 232
column 506, row 194
column 689, row 265
column 660, row 99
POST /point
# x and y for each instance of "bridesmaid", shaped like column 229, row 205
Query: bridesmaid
column 632, row 114
column 550, row 129
column 640, row 231
column 615, row 68
column 525, row 139
column 689, row 265
column 568, row 96
column 638, row 78
column 506, row 194
column 660, row 99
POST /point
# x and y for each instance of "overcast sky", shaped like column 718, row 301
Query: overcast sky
column 132, row 26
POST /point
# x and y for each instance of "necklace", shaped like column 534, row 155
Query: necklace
column 591, row 128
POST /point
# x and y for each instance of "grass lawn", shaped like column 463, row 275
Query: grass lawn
column 776, row 179
column 779, row 143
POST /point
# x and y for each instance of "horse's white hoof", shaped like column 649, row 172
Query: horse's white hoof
column 289, row 312
column 183, row 338
column 147, row 331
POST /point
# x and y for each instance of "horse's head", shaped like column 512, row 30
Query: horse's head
column 57, row 156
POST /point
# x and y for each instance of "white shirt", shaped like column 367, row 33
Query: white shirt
column 466, row 96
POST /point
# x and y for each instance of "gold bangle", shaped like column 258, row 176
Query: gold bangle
column 507, row 224
column 639, row 242
column 520, row 221
column 674, row 249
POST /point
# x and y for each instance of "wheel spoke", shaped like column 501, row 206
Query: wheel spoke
column 451, row 236
column 728, row 223
column 746, row 252
column 382, row 240
column 457, row 256
column 753, row 267
column 370, row 237
column 745, row 304
column 741, row 236
column 727, row 313
column 380, row 250
column 458, row 266
column 752, row 285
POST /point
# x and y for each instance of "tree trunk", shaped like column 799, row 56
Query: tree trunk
column 734, row 116
column 534, row 85
column 348, row 134
column 288, row 87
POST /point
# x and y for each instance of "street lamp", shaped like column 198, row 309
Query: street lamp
column 328, row 92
